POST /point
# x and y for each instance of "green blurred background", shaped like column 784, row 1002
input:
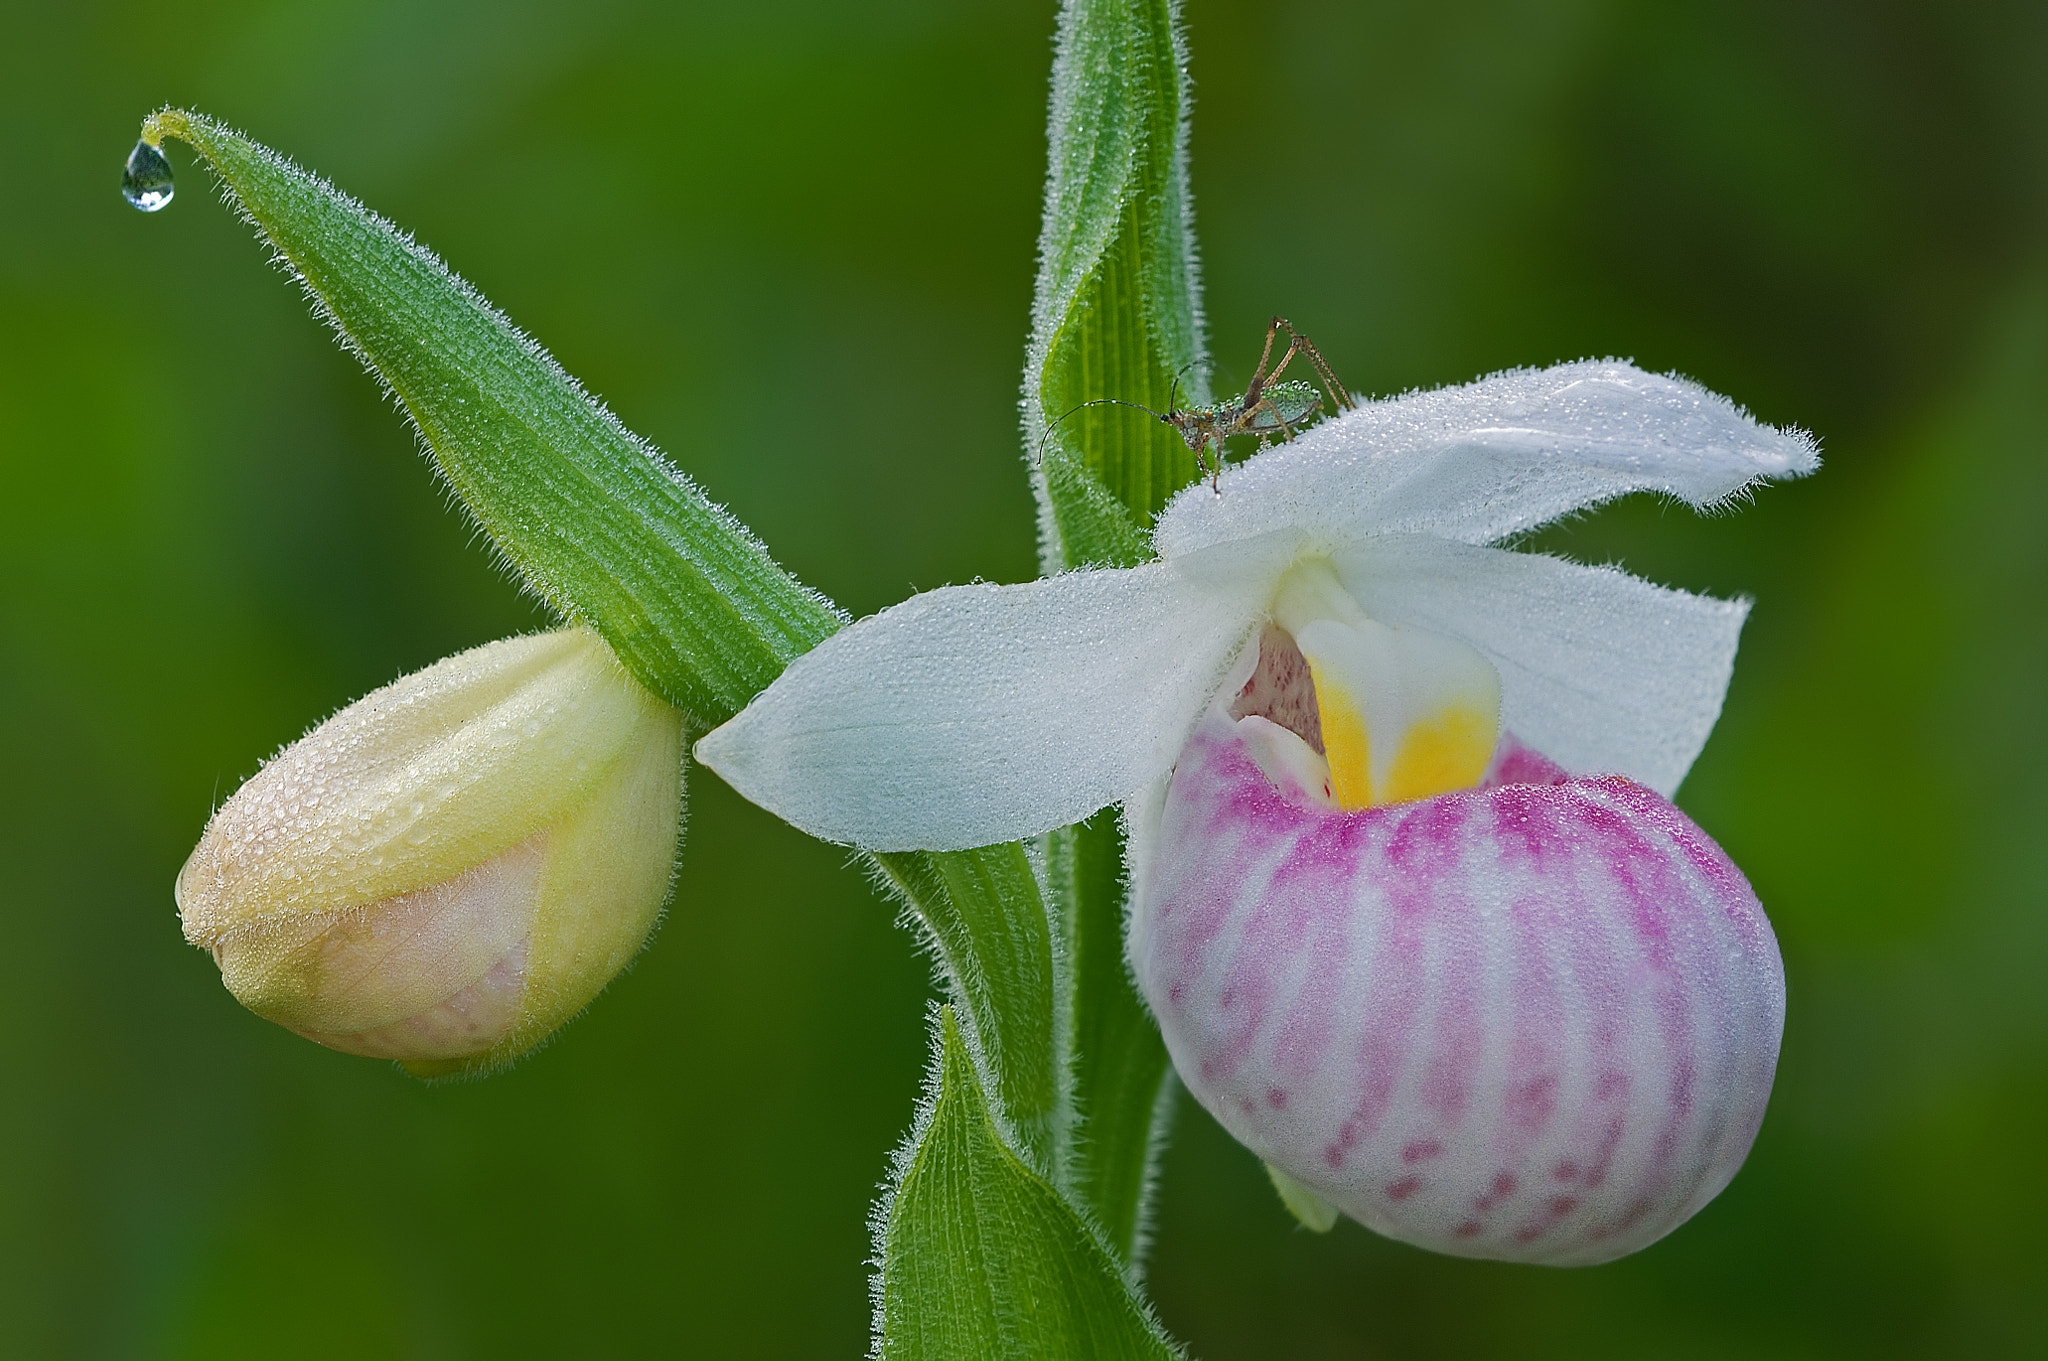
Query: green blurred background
column 791, row 242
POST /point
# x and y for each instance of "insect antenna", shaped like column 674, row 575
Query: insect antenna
column 1173, row 392
column 1099, row 401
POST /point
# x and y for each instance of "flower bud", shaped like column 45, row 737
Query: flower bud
column 451, row 867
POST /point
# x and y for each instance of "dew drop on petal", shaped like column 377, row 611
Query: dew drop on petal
column 146, row 180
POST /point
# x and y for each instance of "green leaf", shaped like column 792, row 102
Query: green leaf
column 594, row 519
column 1116, row 313
column 993, row 934
column 1122, row 1087
column 1094, row 528
column 980, row 1258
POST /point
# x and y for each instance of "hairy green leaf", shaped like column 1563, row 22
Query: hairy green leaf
column 592, row 517
column 993, row 934
column 1116, row 315
column 979, row 1257
column 1093, row 528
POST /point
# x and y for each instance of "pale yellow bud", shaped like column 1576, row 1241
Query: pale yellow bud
column 452, row 866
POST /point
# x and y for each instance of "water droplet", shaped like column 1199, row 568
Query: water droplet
column 146, row 179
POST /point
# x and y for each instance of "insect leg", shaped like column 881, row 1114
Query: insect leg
column 1266, row 405
column 1294, row 345
column 1315, row 357
column 1259, row 375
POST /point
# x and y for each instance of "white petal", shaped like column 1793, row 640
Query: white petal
column 1493, row 458
column 978, row 714
column 1601, row 672
column 1536, row 1023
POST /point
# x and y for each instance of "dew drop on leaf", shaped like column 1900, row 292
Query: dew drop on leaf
column 146, row 180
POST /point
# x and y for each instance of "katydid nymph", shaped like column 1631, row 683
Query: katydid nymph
column 1267, row 407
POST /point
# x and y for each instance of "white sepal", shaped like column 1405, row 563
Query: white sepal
column 978, row 714
column 1600, row 671
column 1490, row 459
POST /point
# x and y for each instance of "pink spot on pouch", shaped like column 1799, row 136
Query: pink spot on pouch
column 1603, row 1157
column 1514, row 763
column 1709, row 860
column 1404, row 1188
column 1428, row 838
column 1347, row 1138
column 1553, row 1212
column 1526, row 826
column 1530, row 1104
column 1503, row 1187
column 1421, row 1150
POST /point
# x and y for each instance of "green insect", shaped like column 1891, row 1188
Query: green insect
column 1267, row 407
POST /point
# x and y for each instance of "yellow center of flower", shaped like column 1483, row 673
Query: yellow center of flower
column 1406, row 714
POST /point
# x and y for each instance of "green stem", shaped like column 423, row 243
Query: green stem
column 1121, row 1077
column 1117, row 315
column 1117, row 308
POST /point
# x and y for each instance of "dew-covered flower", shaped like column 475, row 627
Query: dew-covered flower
column 1417, row 920
column 451, row 867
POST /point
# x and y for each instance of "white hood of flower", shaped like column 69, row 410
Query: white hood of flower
column 984, row 713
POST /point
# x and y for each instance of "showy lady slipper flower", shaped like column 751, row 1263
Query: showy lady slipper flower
column 1408, row 899
column 451, row 867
